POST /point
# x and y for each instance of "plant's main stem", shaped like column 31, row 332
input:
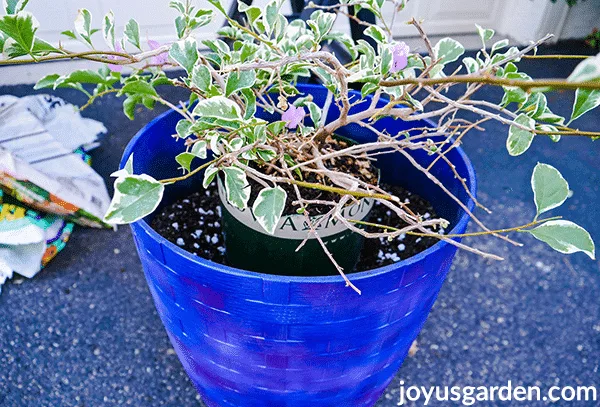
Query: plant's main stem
column 437, row 235
column 489, row 80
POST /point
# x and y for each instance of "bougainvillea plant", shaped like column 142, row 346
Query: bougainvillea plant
column 258, row 63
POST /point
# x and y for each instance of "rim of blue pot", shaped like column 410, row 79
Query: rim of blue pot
column 354, row 277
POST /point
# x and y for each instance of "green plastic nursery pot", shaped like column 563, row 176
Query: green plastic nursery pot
column 252, row 248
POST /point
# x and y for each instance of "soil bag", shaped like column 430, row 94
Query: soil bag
column 28, row 239
column 47, row 180
column 39, row 164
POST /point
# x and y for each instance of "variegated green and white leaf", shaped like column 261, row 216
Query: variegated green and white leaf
column 132, row 33
column 268, row 207
column 550, row 189
column 585, row 100
column 125, row 171
column 108, row 29
column 520, row 139
column 565, row 237
column 209, row 175
column 237, row 187
column 185, row 53
column 218, row 107
column 135, row 197
column 448, row 50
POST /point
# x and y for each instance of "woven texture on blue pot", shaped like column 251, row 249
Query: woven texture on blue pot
column 256, row 340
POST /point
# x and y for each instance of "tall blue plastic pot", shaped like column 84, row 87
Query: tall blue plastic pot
column 248, row 339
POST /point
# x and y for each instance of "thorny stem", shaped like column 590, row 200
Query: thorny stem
column 491, row 80
column 460, row 235
column 555, row 56
column 91, row 55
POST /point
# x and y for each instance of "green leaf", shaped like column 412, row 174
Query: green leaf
column 200, row 19
column 132, row 33
column 239, row 80
column 250, row 100
column 218, row 46
column 499, row 45
column 125, row 171
column 315, row 112
column 536, row 105
column 268, row 207
column 565, row 237
column 248, row 51
column 471, row 64
column 199, row 149
column 138, row 87
column 14, row 6
column 266, row 155
column 218, row 5
column 70, row 34
column 549, row 187
column 275, row 128
column 21, row 28
column 585, row 100
column 368, row 88
column 587, row 70
column 252, row 13
column 47, row 81
column 519, row 140
column 270, row 16
column 201, row 77
column 83, row 25
column 325, row 23
column 108, row 29
column 180, row 26
column 551, row 118
column 136, row 196
column 218, row 107
column 376, row 33
column 550, row 128
column 183, row 128
column 129, row 105
column 185, row 53
column 237, row 187
column 209, row 175
column 80, row 76
column 185, row 160
column 40, row 47
column 485, row 34
column 448, row 50
column 514, row 93
column 3, row 39
column 177, row 5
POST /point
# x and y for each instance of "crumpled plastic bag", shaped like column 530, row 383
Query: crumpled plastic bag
column 49, row 184
column 38, row 164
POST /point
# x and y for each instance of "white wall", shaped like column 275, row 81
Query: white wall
column 522, row 20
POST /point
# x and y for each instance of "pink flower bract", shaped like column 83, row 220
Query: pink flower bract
column 159, row 59
column 116, row 68
column 293, row 116
column 399, row 57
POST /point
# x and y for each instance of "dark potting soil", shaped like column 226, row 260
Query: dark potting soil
column 194, row 224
